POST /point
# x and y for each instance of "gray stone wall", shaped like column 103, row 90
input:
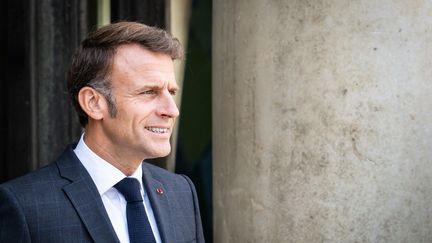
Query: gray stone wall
column 322, row 123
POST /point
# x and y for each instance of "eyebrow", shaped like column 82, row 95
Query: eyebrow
column 156, row 87
column 175, row 88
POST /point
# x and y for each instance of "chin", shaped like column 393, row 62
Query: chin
column 161, row 152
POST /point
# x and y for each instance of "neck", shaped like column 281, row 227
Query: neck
column 123, row 161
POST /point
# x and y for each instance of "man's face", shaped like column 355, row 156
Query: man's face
column 143, row 85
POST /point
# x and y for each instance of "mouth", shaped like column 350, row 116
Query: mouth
column 160, row 130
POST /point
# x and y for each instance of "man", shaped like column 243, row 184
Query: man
column 122, row 84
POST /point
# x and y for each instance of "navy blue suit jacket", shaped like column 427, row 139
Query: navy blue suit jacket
column 60, row 203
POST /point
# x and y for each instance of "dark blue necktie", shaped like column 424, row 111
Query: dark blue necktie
column 139, row 227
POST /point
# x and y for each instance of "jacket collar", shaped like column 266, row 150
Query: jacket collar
column 159, row 199
column 83, row 194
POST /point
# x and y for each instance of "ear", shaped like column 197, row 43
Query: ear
column 93, row 103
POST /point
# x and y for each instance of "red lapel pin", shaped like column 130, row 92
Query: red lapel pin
column 160, row 191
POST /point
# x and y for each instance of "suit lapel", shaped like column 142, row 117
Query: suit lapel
column 160, row 205
column 83, row 194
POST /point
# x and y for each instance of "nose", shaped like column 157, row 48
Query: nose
column 168, row 107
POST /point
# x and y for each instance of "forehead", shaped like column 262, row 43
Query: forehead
column 133, row 63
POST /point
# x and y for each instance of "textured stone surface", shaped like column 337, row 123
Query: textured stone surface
column 322, row 123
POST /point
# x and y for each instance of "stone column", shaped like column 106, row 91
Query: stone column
column 322, row 121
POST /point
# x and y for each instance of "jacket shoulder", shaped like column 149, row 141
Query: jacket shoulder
column 166, row 177
column 48, row 174
column 33, row 179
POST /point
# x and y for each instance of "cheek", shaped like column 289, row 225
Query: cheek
column 140, row 116
column 142, row 109
column 136, row 112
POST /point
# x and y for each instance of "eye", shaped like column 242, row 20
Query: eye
column 173, row 92
column 149, row 92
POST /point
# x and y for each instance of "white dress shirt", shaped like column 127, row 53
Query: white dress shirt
column 105, row 176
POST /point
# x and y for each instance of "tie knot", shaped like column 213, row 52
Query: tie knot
column 130, row 188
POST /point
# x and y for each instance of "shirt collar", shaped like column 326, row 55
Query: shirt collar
column 104, row 175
